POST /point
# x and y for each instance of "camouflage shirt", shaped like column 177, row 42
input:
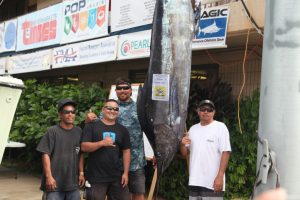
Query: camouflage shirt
column 128, row 118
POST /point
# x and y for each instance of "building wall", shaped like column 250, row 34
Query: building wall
column 46, row 3
column 233, row 74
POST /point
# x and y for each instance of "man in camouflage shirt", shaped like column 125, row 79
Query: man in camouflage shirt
column 128, row 118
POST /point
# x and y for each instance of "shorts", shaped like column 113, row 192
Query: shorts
column 114, row 191
column 60, row 195
column 202, row 193
column 137, row 181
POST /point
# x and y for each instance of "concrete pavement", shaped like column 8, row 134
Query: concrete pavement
column 18, row 186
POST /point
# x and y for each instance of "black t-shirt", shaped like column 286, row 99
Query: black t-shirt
column 103, row 164
column 63, row 147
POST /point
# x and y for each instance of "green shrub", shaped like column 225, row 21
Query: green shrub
column 37, row 110
column 242, row 163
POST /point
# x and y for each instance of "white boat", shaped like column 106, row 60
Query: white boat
column 10, row 92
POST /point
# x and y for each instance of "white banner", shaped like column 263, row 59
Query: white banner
column 2, row 66
column 9, row 36
column 94, row 51
column 32, row 62
column 131, row 13
column 40, row 28
column 134, row 45
column 84, row 19
column 211, row 29
column 1, row 37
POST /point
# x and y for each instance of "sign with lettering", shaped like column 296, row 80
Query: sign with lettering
column 31, row 62
column 84, row 19
column 131, row 13
column 211, row 29
column 94, row 51
column 134, row 45
column 39, row 29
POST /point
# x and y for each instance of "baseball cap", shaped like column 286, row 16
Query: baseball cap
column 64, row 102
column 206, row 102
column 122, row 81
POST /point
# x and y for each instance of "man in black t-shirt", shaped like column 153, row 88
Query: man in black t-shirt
column 106, row 141
column 61, row 156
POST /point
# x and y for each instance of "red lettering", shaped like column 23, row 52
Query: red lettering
column 39, row 33
column 26, row 32
column 52, row 30
column 45, row 32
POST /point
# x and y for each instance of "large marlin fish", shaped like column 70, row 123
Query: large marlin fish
column 162, row 102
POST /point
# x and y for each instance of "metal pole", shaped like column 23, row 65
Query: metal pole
column 279, row 114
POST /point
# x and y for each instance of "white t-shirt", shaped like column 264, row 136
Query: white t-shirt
column 207, row 144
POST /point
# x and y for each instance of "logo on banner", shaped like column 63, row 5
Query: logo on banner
column 101, row 15
column 213, row 23
column 135, row 47
column 68, row 25
column 34, row 32
column 83, row 20
column 92, row 18
column 65, row 55
column 75, row 22
column 212, row 28
column 10, row 35
column 125, row 48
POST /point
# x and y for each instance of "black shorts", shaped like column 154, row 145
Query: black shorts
column 137, row 181
column 113, row 190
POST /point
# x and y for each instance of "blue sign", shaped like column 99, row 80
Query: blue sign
column 209, row 28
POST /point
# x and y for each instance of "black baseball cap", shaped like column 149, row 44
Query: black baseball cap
column 64, row 102
column 206, row 102
column 123, row 81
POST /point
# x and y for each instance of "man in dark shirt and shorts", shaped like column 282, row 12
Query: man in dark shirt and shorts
column 61, row 156
column 106, row 141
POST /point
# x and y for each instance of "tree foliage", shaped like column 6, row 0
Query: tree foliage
column 37, row 110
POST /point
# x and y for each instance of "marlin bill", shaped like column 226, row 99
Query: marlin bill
column 162, row 102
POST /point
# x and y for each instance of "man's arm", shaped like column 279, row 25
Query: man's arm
column 50, row 181
column 185, row 142
column 126, row 164
column 81, row 170
column 218, row 183
column 93, row 146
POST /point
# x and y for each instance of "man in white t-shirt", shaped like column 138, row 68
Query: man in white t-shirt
column 209, row 147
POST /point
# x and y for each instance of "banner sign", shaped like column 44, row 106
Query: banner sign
column 84, row 19
column 134, row 45
column 32, row 62
column 211, row 29
column 94, row 51
column 2, row 66
column 9, row 39
column 40, row 28
column 1, row 37
column 131, row 13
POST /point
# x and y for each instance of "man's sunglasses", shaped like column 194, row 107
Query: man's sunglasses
column 66, row 112
column 123, row 87
column 206, row 109
column 110, row 108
